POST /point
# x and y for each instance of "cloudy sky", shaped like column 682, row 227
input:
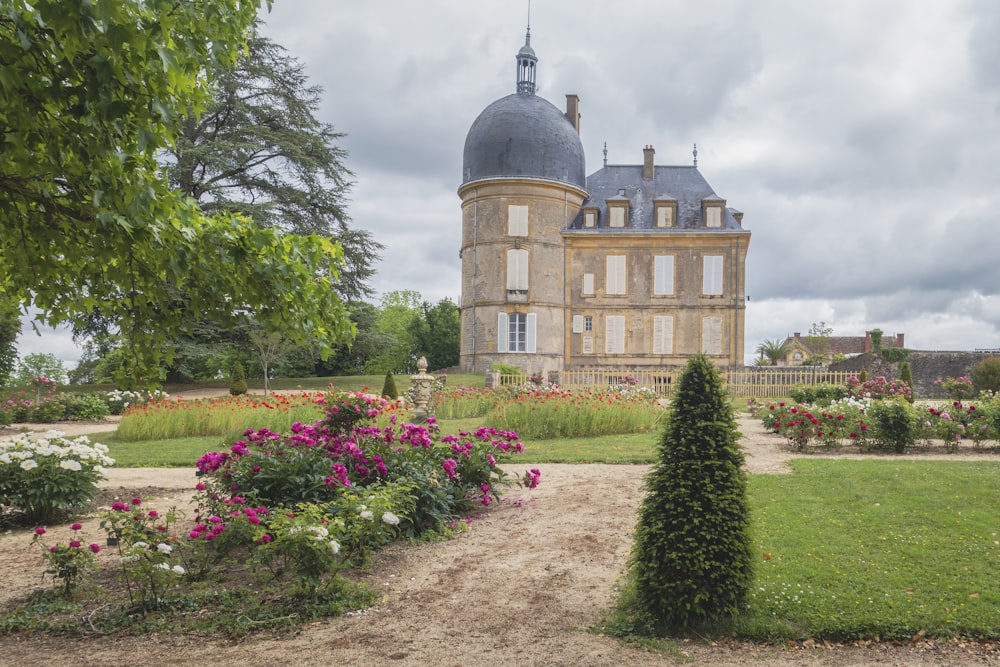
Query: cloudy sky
column 861, row 139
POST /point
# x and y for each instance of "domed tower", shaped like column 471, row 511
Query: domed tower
column 523, row 182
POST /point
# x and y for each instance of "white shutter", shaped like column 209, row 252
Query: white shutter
column 711, row 335
column 502, row 332
column 588, row 283
column 614, row 281
column 578, row 324
column 665, row 216
column 614, row 334
column 712, row 275
column 663, row 334
column 517, row 269
column 588, row 344
column 517, row 220
column 663, row 275
column 713, row 215
column 617, row 215
column 530, row 333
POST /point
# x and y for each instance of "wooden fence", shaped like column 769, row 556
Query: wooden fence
column 743, row 383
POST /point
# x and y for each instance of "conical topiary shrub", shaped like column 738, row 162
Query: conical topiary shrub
column 238, row 383
column 389, row 387
column 691, row 561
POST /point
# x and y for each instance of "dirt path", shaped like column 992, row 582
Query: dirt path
column 520, row 587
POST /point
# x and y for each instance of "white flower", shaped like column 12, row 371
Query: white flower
column 164, row 548
column 335, row 547
column 5, row 458
column 162, row 566
column 320, row 531
column 367, row 515
column 390, row 519
column 28, row 464
column 177, row 569
column 70, row 464
column 140, row 545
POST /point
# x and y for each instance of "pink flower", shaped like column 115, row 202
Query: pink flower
column 53, row 549
column 199, row 486
column 137, row 501
column 39, row 531
column 75, row 544
column 76, row 526
column 95, row 548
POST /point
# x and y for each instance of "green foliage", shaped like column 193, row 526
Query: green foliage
column 986, row 375
column 691, row 561
column 389, row 387
column 818, row 394
column 876, row 337
column 83, row 407
column 895, row 424
column 542, row 413
column 894, row 354
column 46, row 478
column 238, row 382
column 68, row 562
column 773, row 351
column 436, row 334
column 89, row 224
column 10, row 329
column 40, row 364
column 506, row 369
column 906, row 375
column 863, row 376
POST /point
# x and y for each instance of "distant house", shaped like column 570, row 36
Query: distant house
column 801, row 348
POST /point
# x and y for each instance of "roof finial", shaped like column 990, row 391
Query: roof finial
column 526, row 62
column 605, row 154
column 695, row 153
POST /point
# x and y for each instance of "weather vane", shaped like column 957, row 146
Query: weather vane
column 605, row 154
column 695, row 153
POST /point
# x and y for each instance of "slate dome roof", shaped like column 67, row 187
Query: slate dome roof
column 523, row 135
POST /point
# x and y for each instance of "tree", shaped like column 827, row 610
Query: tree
column 818, row 342
column 90, row 94
column 41, row 364
column 10, row 328
column 773, row 350
column 397, row 314
column 436, row 334
column 691, row 563
column 268, row 346
column 258, row 149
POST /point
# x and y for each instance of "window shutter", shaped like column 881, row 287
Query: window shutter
column 517, row 220
column 712, row 274
column 588, row 283
column 502, row 332
column 614, row 334
column 530, row 342
column 663, row 334
column 578, row 324
column 588, row 344
column 517, row 269
column 711, row 335
column 614, row 282
column 663, row 275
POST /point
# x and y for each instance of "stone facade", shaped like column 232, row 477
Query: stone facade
column 634, row 266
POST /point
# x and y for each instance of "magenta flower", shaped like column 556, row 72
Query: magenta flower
column 74, row 544
column 95, row 548
column 76, row 526
column 39, row 531
column 137, row 501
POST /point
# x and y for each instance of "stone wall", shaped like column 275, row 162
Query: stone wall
column 925, row 366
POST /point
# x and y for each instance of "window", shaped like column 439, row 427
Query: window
column 663, row 275
column 711, row 335
column 588, row 284
column 712, row 275
column 516, row 332
column 517, row 220
column 663, row 334
column 578, row 324
column 588, row 345
column 588, row 323
column 614, row 281
column 616, row 214
column 614, row 334
column 590, row 218
column 664, row 215
column 517, row 270
column 713, row 216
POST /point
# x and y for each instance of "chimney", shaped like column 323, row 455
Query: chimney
column 647, row 162
column 737, row 214
column 899, row 340
column 573, row 111
column 797, row 335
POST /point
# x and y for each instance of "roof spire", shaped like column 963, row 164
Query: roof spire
column 605, row 154
column 695, row 153
column 526, row 62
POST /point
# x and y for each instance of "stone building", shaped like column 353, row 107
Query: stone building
column 633, row 267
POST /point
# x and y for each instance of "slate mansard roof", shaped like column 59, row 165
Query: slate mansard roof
column 523, row 136
column 684, row 184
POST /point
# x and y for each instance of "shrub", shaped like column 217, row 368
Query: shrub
column 83, row 407
column 691, row 562
column 817, row 394
column 238, row 383
column 68, row 562
column 957, row 388
column 906, row 375
column 47, row 476
column 986, row 375
column 895, row 426
column 879, row 388
column 389, row 387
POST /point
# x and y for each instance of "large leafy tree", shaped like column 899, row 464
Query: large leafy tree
column 90, row 94
column 10, row 328
column 773, row 351
column 258, row 149
column 436, row 334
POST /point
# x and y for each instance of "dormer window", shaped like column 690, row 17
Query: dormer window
column 589, row 218
column 618, row 210
column 665, row 212
column 712, row 212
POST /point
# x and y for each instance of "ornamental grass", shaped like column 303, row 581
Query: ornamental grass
column 229, row 416
column 561, row 414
